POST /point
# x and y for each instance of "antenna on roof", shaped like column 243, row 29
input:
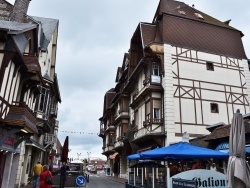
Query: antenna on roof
column 192, row 5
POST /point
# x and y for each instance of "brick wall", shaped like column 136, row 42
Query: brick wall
column 20, row 10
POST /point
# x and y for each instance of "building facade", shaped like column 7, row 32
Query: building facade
column 183, row 72
column 29, row 93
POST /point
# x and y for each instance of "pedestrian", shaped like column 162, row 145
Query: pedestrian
column 63, row 172
column 43, row 175
column 38, row 168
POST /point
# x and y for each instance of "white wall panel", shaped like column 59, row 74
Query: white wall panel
column 187, row 111
column 198, row 111
column 209, row 57
column 213, row 95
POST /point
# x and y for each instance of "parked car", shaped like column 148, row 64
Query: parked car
column 93, row 170
column 89, row 167
column 99, row 167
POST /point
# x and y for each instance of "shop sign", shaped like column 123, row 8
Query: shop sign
column 204, row 178
column 9, row 141
column 182, row 183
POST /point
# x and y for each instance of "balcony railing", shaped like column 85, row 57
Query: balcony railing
column 152, row 121
column 119, row 138
column 134, row 128
column 21, row 116
column 146, row 81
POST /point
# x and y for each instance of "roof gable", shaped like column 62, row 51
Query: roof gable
column 48, row 26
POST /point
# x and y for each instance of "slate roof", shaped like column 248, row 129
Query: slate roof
column 15, row 27
column 188, row 31
column 224, row 131
column 48, row 27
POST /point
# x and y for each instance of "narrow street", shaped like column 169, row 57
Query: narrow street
column 101, row 181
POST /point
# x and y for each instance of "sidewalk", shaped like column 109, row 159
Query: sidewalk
column 114, row 178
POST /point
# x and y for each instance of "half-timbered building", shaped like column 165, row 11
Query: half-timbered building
column 29, row 92
column 186, row 70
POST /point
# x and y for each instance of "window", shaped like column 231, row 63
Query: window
column 210, row 66
column 214, row 108
column 182, row 12
column 148, row 110
column 156, row 71
column 198, row 15
column 157, row 114
column 44, row 101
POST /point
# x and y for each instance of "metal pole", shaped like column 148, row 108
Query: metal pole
column 153, row 174
column 134, row 175
column 142, row 176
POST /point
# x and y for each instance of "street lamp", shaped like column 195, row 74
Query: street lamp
column 88, row 155
column 78, row 154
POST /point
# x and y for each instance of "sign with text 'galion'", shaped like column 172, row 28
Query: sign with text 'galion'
column 204, row 178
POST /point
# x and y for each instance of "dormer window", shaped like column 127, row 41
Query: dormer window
column 198, row 15
column 28, row 47
column 182, row 12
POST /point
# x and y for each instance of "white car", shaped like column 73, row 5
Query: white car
column 89, row 167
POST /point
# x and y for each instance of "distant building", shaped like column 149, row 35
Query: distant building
column 184, row 71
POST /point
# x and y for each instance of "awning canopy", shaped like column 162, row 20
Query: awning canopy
column 180, row 150
column 114, row 155
column 224, row 147
column 31, row 142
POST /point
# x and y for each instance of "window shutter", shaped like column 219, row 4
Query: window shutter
column 157, row 104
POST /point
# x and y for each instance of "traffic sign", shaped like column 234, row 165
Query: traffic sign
column 81, row 181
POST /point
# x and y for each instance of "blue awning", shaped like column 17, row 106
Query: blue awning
column 224, row 147
column 248, row 149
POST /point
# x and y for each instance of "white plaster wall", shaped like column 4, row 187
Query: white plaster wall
column 7, row 169
column 141, row 78
column 167, row 84
column 20, row 164
column 225, row 75
column 45, row 59
column 244, row 63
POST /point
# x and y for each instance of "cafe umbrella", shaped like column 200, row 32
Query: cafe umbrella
column 238, row 171
column 65, row 150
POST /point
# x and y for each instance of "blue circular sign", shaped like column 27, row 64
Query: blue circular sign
column 80, row 180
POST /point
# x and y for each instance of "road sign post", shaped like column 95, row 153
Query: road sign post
column 80, row 181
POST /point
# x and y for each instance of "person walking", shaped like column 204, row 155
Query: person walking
column 43, row 175
column 37, row 171
column 63, row 172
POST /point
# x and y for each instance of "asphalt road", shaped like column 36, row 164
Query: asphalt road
column 100, row 181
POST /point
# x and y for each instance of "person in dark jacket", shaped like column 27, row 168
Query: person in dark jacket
column 63, row 172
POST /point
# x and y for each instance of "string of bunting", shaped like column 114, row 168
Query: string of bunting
column 76, row 132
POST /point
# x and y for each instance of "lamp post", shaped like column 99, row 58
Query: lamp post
column 78, row 154
column 88, row 155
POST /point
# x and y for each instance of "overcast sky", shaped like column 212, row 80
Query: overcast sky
column 93, row 37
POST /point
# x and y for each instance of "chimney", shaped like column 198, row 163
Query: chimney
column 19, row 11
